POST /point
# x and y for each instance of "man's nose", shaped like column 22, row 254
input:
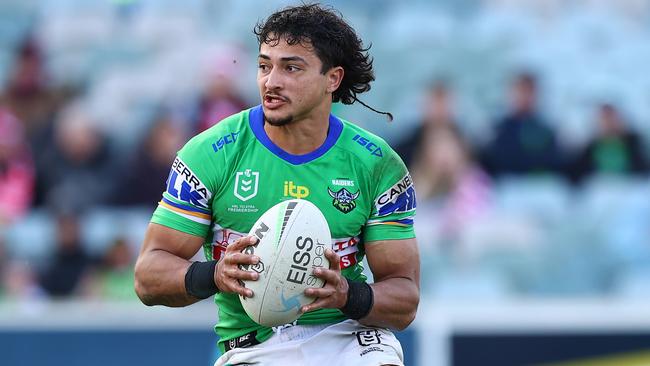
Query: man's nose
column 273, row 80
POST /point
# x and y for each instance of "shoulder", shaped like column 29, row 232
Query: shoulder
column 384, row 166
column 227, row 131
column 207, row 153
column 365, row 145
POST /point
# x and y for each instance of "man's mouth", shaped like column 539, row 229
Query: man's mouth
column 274, row 100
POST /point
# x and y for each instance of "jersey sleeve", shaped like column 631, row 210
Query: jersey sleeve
column 187, row 200
column 393, row 202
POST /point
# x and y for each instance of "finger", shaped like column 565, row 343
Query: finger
column 320, row 292
column 318, row 304
column 241, row 258
column 239, row 288
column 335, row 260
column 239, row 274
column 330, row 276
column 241, row 243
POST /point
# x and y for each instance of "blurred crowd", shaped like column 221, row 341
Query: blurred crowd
column 55, row 159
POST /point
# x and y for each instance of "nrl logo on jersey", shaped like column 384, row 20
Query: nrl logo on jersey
column 344, row 200
column 246, row 184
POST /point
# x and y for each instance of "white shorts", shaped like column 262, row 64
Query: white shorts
column 340, row 344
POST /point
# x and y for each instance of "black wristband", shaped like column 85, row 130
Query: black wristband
column 360, row 300
column 199, row 279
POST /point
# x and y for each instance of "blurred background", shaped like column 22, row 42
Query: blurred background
column 525, row 125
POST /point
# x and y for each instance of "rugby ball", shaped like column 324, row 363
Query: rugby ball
column 293, row 236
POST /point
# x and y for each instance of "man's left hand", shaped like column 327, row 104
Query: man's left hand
column 334, row 294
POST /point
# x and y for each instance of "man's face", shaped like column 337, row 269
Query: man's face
column 290, row 81
column 524, row 96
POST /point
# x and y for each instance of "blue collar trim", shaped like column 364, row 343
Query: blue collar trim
column 256, row 120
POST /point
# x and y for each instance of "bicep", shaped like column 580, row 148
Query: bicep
column 394, row 258
column 160, row 237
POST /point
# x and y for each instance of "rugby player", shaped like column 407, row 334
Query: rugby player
column 291, row 146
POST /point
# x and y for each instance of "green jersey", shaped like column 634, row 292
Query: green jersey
column 225, row 178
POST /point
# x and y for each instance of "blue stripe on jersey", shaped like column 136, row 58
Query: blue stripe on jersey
column 256, row 119
column 186, row 207
column 398, row 222
column 402, row 222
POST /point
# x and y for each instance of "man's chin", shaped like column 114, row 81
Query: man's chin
column 278, row 120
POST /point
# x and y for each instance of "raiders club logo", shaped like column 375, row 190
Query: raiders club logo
column 344, row 200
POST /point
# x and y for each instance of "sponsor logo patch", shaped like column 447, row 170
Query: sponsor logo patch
column 347, row 250
column 348, row 260
column 246, row 184
column 247, row 340
column 184, row 185
column 293, row 190
column 344, row 200
column 398, row 198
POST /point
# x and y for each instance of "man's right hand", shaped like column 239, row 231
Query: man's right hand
column 228, row 275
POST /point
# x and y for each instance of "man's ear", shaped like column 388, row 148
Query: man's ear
column 334, row 78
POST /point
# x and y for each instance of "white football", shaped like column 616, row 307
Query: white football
column 293, row 236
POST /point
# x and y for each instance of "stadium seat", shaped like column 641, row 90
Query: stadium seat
column 543, row 199
column 32, row 237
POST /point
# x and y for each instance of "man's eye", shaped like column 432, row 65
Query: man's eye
column 292, row 68
column 263, row 67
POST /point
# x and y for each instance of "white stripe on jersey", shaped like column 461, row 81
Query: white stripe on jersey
column 189, row 217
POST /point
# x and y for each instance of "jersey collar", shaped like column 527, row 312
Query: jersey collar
column 256, row 120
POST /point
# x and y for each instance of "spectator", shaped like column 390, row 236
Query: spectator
column 16, row 169
column 614, row 150
column 29, row 94
column 141, row 183
column 77, row 170
column 220, row 98
column 523, row 144
column 438, row 115
column 444, row 170
column 442, row 165
column 70, row 263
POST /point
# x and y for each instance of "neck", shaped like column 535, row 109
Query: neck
column 304, row 134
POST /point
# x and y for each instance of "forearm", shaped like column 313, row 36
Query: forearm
column 395, row 303
column 160, row 279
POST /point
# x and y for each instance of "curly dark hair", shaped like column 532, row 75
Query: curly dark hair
column 334, row 41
